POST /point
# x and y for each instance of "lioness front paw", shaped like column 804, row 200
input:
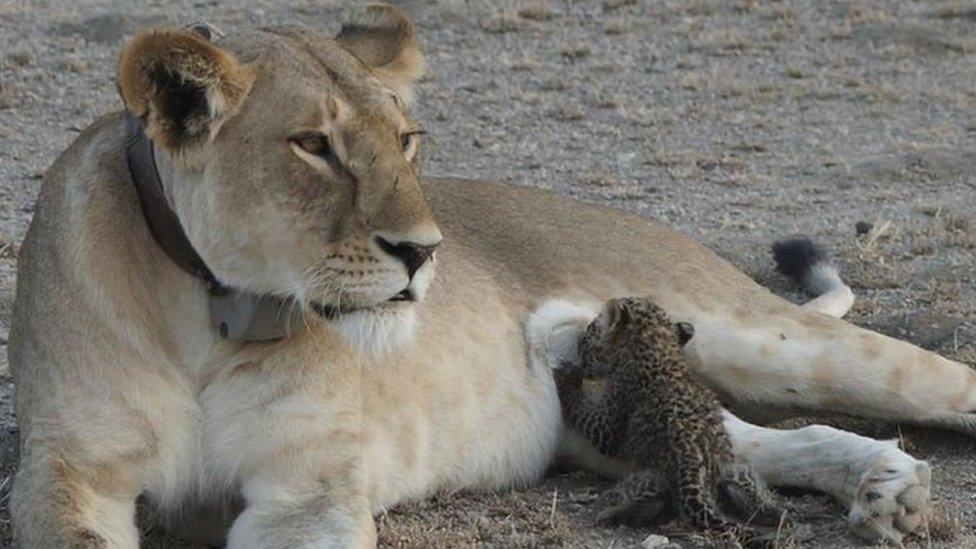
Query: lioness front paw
column 892, row 498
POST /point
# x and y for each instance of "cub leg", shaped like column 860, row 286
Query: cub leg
column 740, row 494
column 55, row 503
column 885, row 489
column 641, row 499
column 595, row 416
column 695, row 494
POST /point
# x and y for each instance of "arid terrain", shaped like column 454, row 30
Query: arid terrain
column 735, row 121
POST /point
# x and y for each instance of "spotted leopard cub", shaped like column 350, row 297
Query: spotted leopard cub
column 652, row 412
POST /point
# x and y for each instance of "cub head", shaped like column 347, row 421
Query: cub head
column 627, row 326
column 290, row 157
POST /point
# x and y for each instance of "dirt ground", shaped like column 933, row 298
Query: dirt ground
column 736, row 121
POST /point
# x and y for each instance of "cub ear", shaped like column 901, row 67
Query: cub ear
column 182, row 86
column 383, row 37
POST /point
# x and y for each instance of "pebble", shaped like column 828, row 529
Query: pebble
column 76, row 65
column 655, row 541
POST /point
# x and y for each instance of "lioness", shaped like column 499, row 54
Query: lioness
column 291, row 163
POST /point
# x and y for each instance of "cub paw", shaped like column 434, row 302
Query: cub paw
column 642, row 498
column 742, row 499
column 892, row 498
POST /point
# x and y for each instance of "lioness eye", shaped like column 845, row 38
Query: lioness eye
column 408, row 142
column 314, row 143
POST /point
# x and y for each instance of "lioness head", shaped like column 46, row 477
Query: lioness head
column 290, row 158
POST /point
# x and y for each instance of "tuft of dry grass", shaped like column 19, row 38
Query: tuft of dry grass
column 504, row 22
column 614, row 5
column 567, row 113
column 577, row 52
column 881, row 231
column 537, row 10
column 617, row 26
column 942, row 527
column 508, row 520
column 8, row 248
column 957, row 10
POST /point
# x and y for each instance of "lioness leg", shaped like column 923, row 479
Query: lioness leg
column 304, row 486
column 55, row 504
column 784, row 356
column 885, row 489
column 295, row 446
column 308, row 513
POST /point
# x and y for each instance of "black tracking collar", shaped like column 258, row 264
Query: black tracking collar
column 163, row 223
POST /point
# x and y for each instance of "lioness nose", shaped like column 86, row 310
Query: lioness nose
column 412, row 255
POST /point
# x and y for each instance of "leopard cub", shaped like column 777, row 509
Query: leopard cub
column 653, row 413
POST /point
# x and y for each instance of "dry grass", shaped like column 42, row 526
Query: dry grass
column 957, row 10
column 8, row 248
column 537, row 10
column 475, row 520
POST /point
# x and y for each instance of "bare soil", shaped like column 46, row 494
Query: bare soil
column 735, row 121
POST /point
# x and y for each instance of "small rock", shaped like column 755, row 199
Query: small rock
column 567, row 113
column 8, row 97
column 76, row 65
column 106, row 29
column 8, row 249
column 655, row 541
column 21, row 58
column 504, row 22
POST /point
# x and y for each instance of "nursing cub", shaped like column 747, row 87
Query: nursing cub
column 652, row 412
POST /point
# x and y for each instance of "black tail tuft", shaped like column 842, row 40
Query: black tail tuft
column 807, row 264
column 797, row 257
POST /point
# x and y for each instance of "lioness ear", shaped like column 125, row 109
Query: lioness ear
column 181, row 85
column 383, row 37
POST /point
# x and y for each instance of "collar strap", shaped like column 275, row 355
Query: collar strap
column 237, row 316
column 163, row 223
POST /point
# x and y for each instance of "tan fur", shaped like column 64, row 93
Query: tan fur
column 118, row 370
column 384, row 39
column 157, row 60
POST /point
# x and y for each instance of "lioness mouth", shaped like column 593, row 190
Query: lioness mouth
column 329, row 311
column 405, row 295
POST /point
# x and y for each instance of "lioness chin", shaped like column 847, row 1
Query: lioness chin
column 289, row 161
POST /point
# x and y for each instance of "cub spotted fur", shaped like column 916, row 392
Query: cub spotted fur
column 655, row 414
